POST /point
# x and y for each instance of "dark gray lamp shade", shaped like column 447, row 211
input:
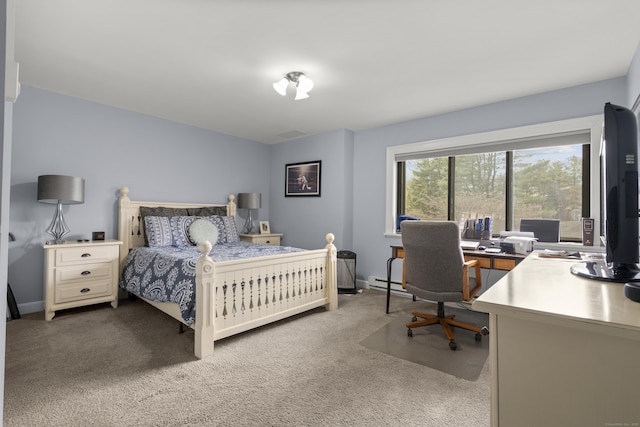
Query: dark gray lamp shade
column 68, row 190
column 249, row 200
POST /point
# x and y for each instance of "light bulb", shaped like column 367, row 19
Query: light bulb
column 300, row 94
column 281, row 86
column 305, row 84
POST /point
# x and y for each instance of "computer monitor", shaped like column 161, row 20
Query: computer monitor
column 544, row 230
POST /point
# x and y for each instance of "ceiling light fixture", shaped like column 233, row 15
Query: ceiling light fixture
column 303, row 84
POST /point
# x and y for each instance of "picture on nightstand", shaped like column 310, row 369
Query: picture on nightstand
column 264, row 227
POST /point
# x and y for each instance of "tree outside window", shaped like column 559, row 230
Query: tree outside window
column 547, row 183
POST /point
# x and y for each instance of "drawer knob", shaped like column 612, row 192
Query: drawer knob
column 85, row 273
column 268, row 241
column 85, row 255
column 85, row 290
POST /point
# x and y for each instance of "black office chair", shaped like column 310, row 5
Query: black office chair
column 436, row 270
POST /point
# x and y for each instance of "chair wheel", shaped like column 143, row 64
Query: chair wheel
column 478, row 337
column 409, row 333
column 414, row 318
column 484, row 330
column 453, row 345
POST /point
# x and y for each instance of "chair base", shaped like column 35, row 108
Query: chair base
column 446, row 321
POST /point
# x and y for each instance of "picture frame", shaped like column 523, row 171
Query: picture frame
column 264, row 227
column 303, row 179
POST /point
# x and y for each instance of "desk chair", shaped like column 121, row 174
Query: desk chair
column 436, row 271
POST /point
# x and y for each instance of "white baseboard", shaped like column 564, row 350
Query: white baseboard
column 379, row 283
column 31, row 307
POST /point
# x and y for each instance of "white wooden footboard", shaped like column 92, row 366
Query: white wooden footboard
column 236, row 296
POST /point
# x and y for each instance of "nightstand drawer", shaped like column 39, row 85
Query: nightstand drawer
column 87, row 272
column 268, row 240
column 82, row 290
column 85, row 255
column 273, row 239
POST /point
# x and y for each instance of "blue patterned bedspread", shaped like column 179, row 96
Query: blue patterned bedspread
column 167, row 274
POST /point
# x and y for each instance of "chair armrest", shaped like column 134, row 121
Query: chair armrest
column 467, row 294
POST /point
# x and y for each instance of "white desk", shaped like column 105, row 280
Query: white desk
column 565, row 351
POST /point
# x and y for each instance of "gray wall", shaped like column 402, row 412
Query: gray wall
column 306, row 220
column 633, row 79
column 160, row 160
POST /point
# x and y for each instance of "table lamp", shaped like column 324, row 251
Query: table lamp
column 60, row 190
column 249, row 201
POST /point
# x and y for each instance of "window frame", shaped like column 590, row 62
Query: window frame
column 590, row 127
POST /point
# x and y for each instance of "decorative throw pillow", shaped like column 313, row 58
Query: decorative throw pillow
column 162, row 211
column 231, row 229
column 146, row 211
column 217, row 221
column 158, row 231
column 202, row 229
column 207, row 211
column 180, row 230
column 227, row 231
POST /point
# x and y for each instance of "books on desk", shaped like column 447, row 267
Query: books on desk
column 584, row 256
column 549, row 253
column 469, row 244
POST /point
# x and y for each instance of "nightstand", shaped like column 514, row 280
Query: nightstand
column 264, row 239
column 80, row 273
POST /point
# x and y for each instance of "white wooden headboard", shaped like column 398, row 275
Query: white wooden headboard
column 130, row 227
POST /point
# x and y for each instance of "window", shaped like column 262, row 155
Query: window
column 540, row 171
column 547, row 183
column 480, row 182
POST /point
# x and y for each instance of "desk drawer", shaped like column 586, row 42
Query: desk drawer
column 484, row 262
column 504, row 264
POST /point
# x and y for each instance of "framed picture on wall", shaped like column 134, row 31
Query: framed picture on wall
column 302, row 179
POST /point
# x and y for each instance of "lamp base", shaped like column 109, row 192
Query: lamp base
column 249, row 225
column 58, row 227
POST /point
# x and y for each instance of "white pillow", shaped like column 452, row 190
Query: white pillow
column 201, row 230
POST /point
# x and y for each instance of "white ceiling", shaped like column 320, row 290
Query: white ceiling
column 211, row 63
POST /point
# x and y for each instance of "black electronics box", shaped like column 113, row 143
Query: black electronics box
column 587, row 231
column 507, row 248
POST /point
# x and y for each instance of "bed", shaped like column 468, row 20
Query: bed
column 232, row 295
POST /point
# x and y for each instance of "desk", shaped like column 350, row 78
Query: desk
column 564, row 350
column 499, row 261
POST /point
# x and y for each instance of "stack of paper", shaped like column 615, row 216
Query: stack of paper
column 469, row 244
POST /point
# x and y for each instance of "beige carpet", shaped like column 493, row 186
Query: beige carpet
column 429, row 345
column 129, row 367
